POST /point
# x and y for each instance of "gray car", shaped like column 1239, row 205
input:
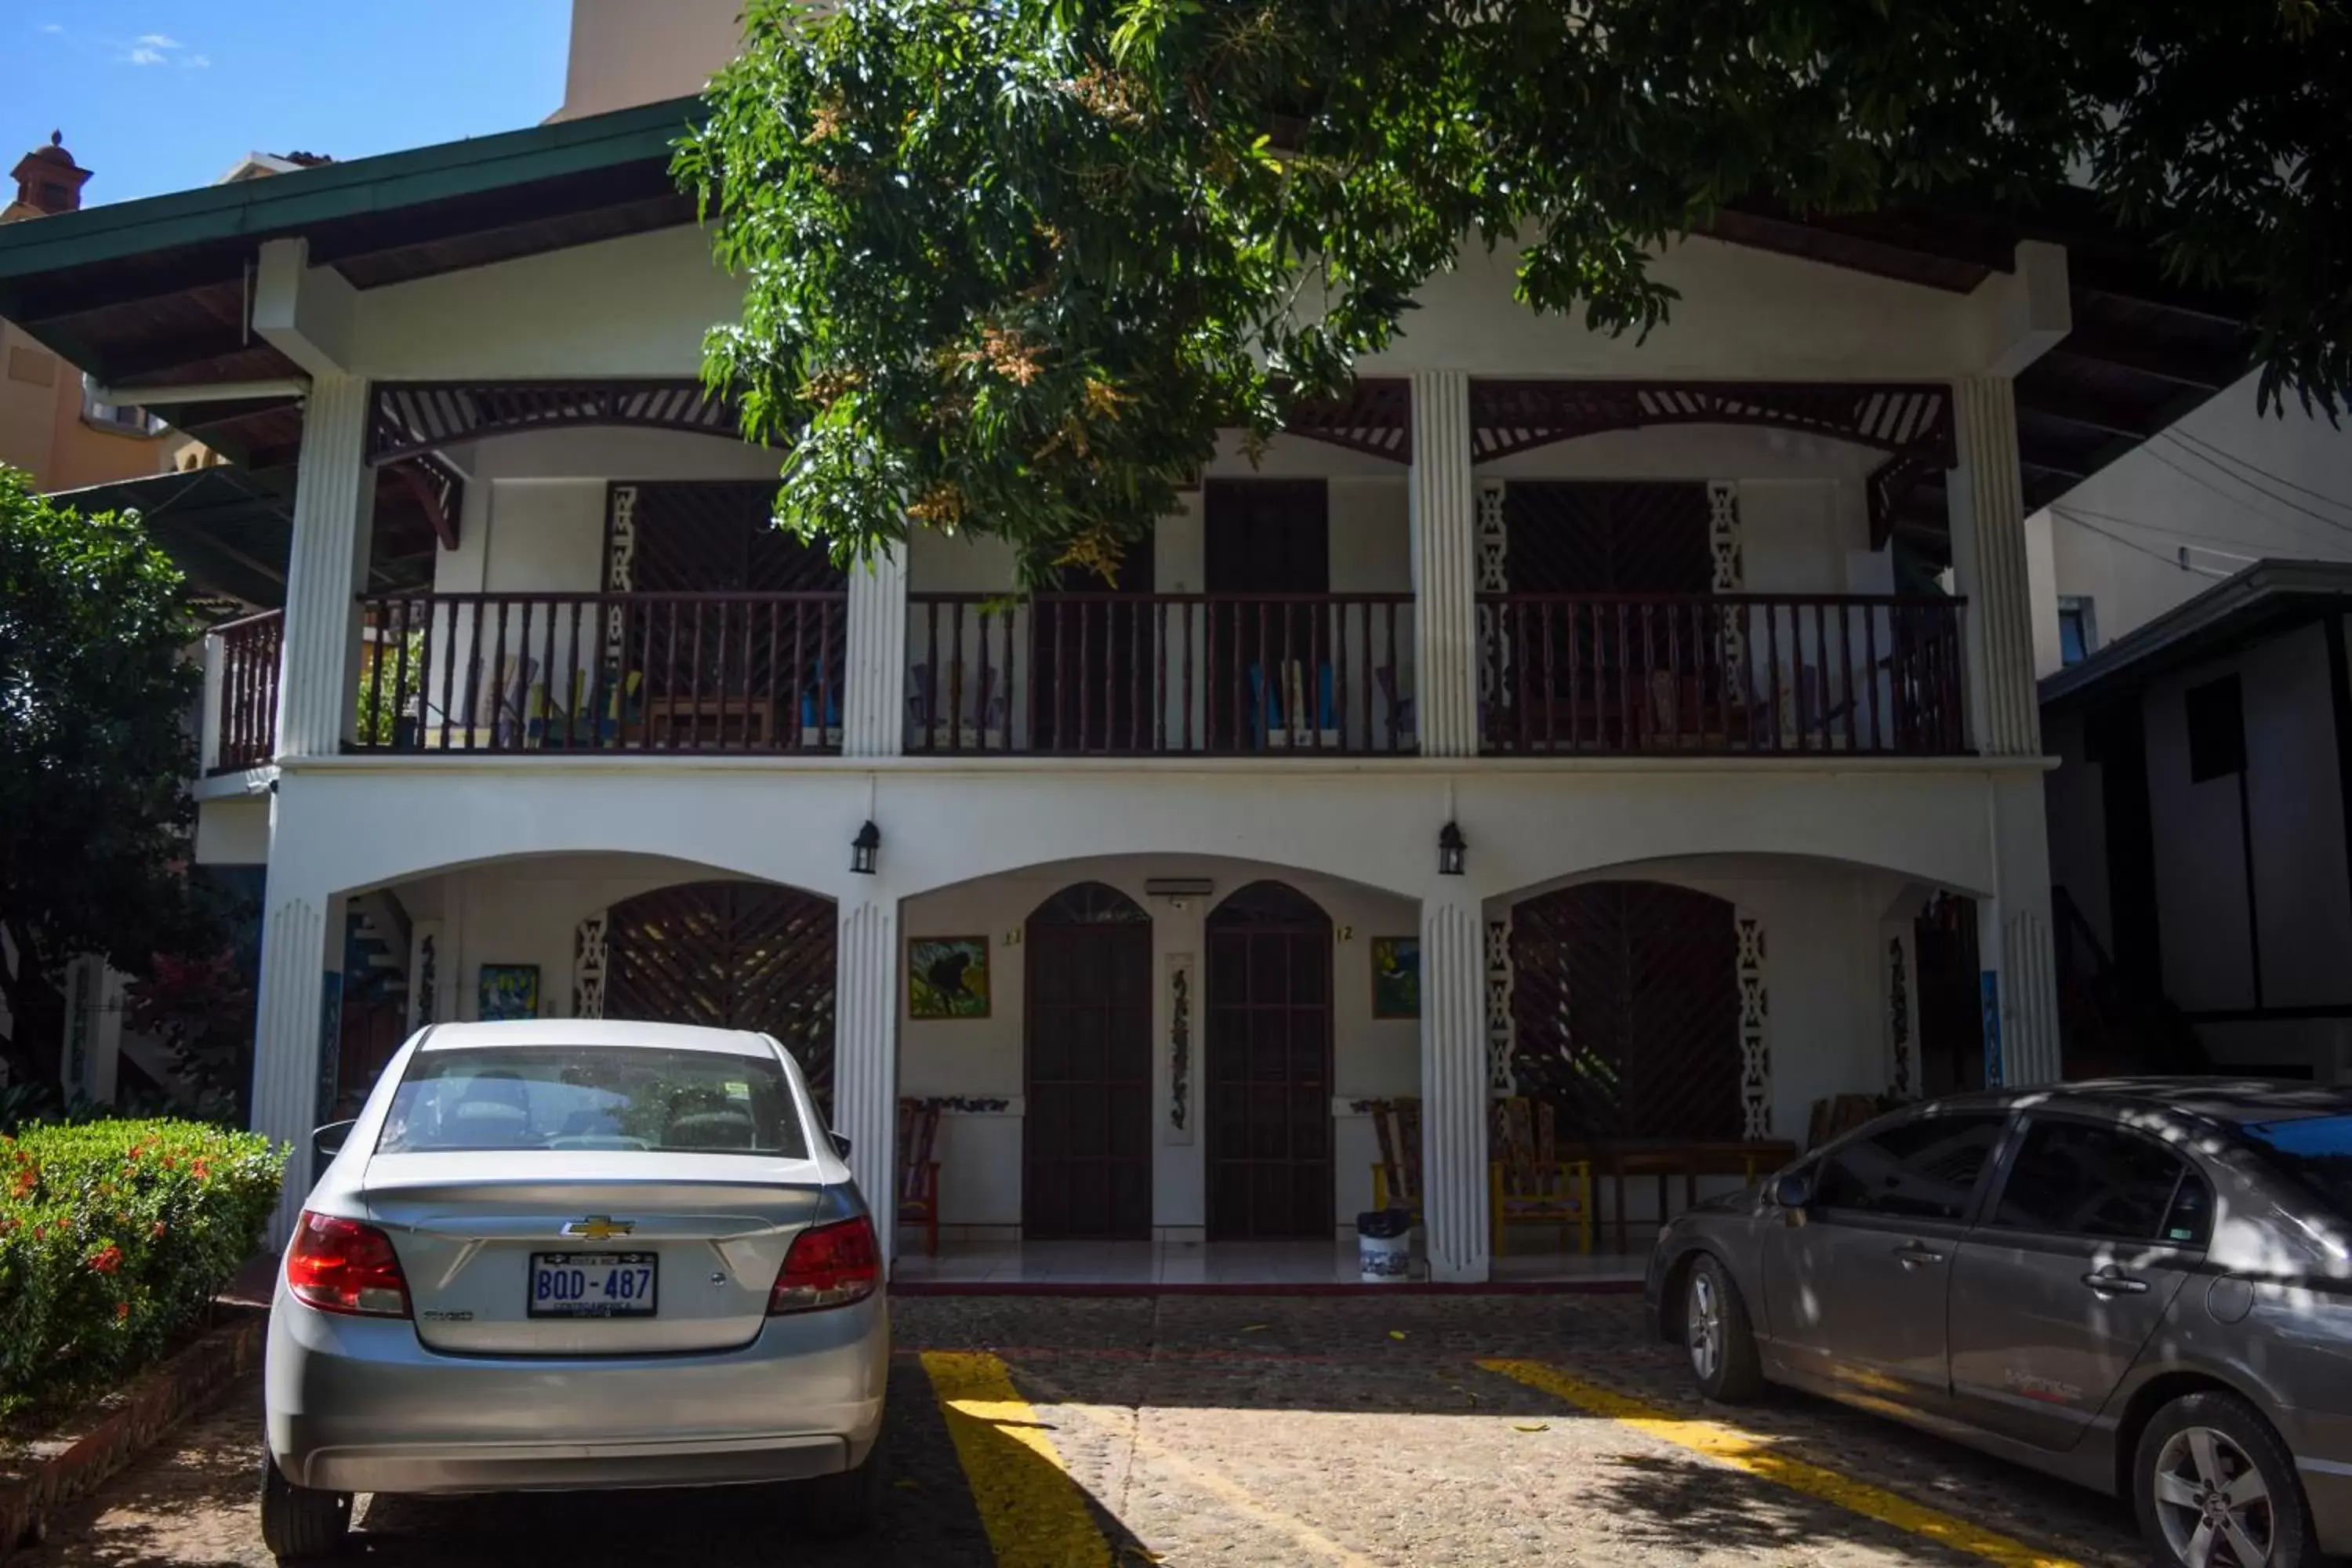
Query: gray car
column 2143, row 1286
column 577, row 1255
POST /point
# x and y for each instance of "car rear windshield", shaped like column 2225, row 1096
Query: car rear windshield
column 2314, row 1150
column 620, row 1097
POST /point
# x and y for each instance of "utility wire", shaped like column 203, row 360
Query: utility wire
column 2234, row 501
column 2171, row 561
column 2177, row 437
column 2192, row 535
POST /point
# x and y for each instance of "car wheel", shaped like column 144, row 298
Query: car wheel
column 1716, row 1333
column 2214, row 1485
column 300, row 1525
column 838, row 1507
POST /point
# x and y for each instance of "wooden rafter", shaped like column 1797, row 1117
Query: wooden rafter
column 1375, row 417
column 410, row 418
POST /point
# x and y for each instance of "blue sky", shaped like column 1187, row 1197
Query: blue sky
column 166, row 95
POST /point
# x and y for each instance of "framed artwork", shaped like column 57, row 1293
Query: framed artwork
column 946, row 978
column 1396, row 977
column 510, row 991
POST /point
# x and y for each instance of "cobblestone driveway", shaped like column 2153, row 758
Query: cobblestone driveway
column 1211, row 1430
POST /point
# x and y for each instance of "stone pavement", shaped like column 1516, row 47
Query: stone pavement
column 1215, row 1430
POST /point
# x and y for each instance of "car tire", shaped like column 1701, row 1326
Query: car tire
column 300, row 1524
column 835, row 1507
column 1718, row 1337
column 2201, row 1439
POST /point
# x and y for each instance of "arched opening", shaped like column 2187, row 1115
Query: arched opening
column 1626, row 1011
column 1268, row 1078
column 1086, row 1143
column 729, row 955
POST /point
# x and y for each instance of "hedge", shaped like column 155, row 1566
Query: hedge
column 114, row 1236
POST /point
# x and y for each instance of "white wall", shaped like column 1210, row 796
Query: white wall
column 2078, row 823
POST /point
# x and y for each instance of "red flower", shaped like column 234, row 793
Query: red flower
column 156, row 1234
column 107, row 1259
column 122, row 1311
column 202, row 1169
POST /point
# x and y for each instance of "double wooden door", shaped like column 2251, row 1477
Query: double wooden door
column 1087, row 1136
column 1269, row 1066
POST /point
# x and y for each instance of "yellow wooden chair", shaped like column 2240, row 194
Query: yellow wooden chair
column 1396, row 1179
column 1528, row 1184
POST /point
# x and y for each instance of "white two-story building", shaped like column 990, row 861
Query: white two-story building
column 1646, row 730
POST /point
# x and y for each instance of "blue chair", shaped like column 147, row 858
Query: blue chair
column 1266, row 707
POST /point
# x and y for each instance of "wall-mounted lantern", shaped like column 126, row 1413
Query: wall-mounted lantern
column 1452, row 847
column 864, row 848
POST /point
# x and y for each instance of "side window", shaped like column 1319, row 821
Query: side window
column 2087, row 1178
column 1923, row 1169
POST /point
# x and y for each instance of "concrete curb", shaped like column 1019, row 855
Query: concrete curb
column 114, row 1429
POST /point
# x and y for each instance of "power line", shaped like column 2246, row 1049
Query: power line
column 2171, row 561
column 2192, row 535
column 2315, row 516
column 2177, row 437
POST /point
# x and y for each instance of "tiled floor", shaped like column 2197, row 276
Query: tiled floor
column 1214, row 1264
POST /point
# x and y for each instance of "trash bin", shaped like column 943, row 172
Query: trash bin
column 1384, row 1244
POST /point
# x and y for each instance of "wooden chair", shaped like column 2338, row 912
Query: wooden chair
column 919, row 1172
column 1528, row 1184
column 1396, row 1179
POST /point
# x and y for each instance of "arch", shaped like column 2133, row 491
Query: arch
column 731, row 955
column 1268, row 1069
column 1628, row 1014
column 412, row 417
column 1086, row 1068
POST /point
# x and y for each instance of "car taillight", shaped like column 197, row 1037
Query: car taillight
column 828, row 1266
column 342, row 1266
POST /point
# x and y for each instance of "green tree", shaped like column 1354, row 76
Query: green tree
column 95, row 757
column 1012, row 264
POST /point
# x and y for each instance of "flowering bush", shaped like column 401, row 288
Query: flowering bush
column 113, row 1237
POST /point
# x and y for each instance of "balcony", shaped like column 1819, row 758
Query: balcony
column 1107, row 674
column 752, row 673
column 241, row 661
column 1750, row 675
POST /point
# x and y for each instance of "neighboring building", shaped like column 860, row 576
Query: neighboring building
column 49, row 426
column 2199, row 822
column 625, row 53
column 1552, row 716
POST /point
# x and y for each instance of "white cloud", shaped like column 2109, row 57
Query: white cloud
column 157, row 41
column 54, row 27
column 198, row 62
column 145, row 56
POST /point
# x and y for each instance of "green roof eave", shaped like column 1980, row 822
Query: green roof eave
column 290, row 202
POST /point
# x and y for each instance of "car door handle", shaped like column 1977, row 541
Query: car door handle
column 1912, row 1254
column 2108, row 1283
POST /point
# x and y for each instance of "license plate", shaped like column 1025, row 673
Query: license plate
column 591, row 1285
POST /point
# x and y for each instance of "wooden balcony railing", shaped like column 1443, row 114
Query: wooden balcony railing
column 245, row 716
column 1159, row 674
column 1746, row 674
column 753, row 673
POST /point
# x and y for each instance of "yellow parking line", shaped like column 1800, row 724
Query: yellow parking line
column 1035, row 1514
column 1746, row 1451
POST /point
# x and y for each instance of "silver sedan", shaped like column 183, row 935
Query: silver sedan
column 576, row 1253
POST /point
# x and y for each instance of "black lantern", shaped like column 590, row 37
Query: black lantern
column 863, row 847
column 1451, row 848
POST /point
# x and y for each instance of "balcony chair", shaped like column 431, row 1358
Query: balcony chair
column 1267, row 709
column 982, row 721
column 1396, row 1178
column 1402, row 735
column 1528, row 1184
column 603, row 708
column 919, row 1172
column 827, row 731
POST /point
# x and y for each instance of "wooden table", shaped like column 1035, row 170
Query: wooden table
column 697, row 722
column 1667, row 1158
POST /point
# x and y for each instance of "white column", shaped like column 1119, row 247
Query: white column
column 874, row 699
column 1445, row 523
column 2013, row 940
column 1454, row 1097
column 334, row 513
column 1987, row 509
column 865, row 1052
column 289, row 1025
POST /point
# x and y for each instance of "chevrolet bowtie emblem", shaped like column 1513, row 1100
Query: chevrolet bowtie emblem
column 600, row 1227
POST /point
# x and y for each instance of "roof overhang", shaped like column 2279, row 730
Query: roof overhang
column 2266, row 598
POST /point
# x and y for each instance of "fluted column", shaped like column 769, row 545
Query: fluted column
column 334, row 514
column 289, row 1020
column 865, row 1052
column 874, row 702
column 1453, row 1098
column 2013, row 940
column 1445, row 517
column 1987, row 509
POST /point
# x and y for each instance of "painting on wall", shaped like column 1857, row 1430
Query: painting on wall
column 946, row 978
column 1396, row 977
column 510, row 991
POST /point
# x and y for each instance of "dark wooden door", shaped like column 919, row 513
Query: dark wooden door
column 1269, row 1066
column 1951, row 997
column 1574, row 537
column 1625, row 998
column 1092, row 660
column 1261, row 536
column 1086, row 1137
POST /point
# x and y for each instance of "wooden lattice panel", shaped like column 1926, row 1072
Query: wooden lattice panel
column 728, row 955
column 1608, row 538
column 718, row 538
column 1626, row 1012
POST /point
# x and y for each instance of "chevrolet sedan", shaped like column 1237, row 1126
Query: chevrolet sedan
column 570, row 1254
column 2143, row 1286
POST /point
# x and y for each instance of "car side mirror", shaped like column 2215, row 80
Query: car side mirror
column 328, row 1141
column 1793, row 1192
column 840, row 1143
